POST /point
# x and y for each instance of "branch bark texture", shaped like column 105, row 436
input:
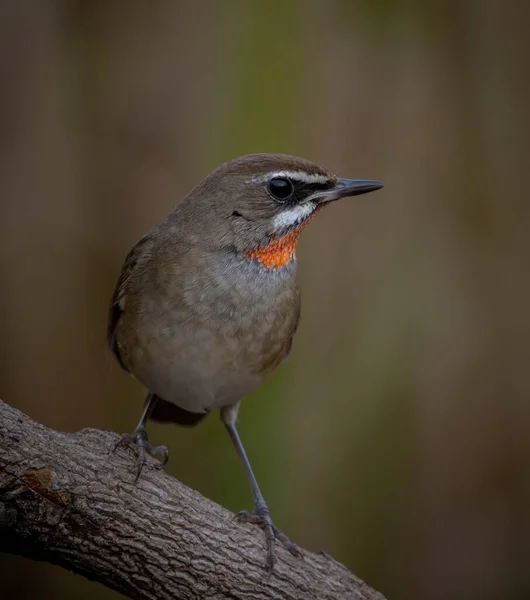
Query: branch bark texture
column 69, row 499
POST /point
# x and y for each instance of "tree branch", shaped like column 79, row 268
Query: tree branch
column 68, row 499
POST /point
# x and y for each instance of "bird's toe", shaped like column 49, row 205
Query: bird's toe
column 139, row 440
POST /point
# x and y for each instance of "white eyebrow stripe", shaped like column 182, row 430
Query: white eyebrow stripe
column 296, row 175
column 292, row 216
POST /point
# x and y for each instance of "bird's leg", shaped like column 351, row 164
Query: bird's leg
column 139, row 438
column 260, row 515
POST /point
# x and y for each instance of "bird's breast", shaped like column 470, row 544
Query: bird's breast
column 253, row 310
column 207, row 331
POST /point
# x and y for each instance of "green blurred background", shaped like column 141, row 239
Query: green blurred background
column 397, row 435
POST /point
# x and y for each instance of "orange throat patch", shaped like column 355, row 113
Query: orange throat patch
column 281, row 251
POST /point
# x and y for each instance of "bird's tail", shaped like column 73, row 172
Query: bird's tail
column 167, row 412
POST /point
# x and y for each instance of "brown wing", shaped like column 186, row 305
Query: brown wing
column 117, row 304
column 164, row 412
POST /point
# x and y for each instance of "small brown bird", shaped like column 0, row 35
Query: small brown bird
column 207, row 302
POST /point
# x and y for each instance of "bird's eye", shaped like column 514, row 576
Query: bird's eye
column 281, row 189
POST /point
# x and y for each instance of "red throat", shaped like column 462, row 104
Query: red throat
column 280, row 252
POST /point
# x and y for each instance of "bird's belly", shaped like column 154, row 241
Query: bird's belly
column 215, row 339
column 200, row 368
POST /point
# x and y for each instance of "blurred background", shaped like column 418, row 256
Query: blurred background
column 397, row 435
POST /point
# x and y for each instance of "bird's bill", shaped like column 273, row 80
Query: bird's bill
column 348, row 187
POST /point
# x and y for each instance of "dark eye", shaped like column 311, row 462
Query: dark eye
column 280, row 188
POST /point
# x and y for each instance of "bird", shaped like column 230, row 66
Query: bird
column 208, row 302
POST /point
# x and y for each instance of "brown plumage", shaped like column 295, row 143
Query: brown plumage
column 207, row 302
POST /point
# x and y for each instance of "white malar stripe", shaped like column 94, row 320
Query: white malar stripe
column 292, row 216
column 296, row 176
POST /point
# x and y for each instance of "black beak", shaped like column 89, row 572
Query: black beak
column 356, row 187
column 349, row 187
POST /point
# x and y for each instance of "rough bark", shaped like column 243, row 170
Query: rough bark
column 69, row 499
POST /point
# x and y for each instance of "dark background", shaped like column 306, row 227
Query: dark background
column 397, row 435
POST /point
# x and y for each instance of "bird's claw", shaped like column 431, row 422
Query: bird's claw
column 139, row 439
column 261, row 516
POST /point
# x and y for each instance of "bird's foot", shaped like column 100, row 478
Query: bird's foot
column 261, row 516
column 138, row 438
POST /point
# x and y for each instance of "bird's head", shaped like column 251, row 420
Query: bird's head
column 259, row 204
